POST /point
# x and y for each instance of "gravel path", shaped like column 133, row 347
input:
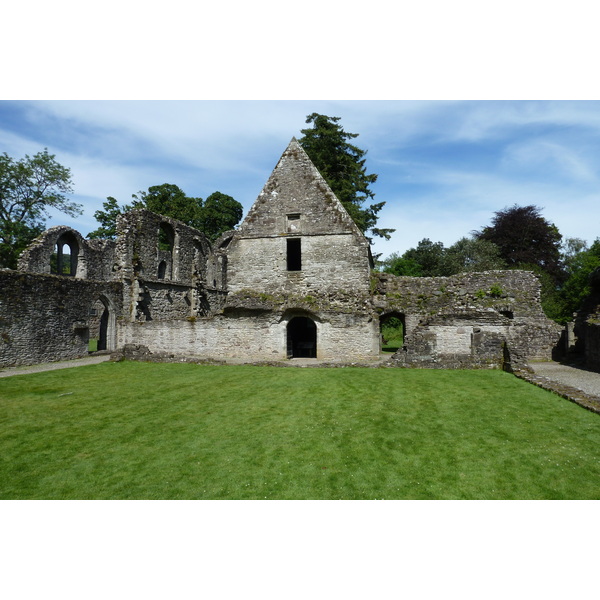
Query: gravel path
column 65, row 364
column 586, row 381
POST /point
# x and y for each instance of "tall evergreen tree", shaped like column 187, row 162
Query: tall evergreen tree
column 342, row 165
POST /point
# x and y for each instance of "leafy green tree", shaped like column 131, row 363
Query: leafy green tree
column 579, row 265
column 217, row 214
column 108, row 219
column 471, row 254
column 398, row 265
column 170, row 200
column 342, row 165
column 29, row 188
column 431, row 257
column 524, row 237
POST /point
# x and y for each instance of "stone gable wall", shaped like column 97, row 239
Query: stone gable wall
column 329, row 264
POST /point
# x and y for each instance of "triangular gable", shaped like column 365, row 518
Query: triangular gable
column 297, row 188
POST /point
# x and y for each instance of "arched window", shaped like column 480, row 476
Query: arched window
column 162, row 269
column 102, row 326
column 64, row 259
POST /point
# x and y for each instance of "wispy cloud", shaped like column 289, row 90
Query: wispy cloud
column 444, row 167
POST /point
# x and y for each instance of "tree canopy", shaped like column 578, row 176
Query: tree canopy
column 432, row 259
column 524, row 237
column 519, row 238
column 29, row 188
column 213, row 216
column 342, row 165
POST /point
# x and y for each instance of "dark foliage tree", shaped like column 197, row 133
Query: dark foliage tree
column 29, row 188
column 342, row 165
column 217, row 214
column 524, row 238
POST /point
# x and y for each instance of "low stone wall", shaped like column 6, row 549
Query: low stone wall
column 254, row 335
column 472, row 320
column 45, row 318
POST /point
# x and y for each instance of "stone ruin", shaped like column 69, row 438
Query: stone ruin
column 584, row 332
column 295, row 280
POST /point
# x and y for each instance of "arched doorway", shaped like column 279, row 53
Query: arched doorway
column 392, row 327
column 102, row 326
column 301, row 338
column 103, row 333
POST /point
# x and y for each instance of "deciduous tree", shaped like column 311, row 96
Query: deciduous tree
column 29, row 188
column 213, row 216
column 524, row 237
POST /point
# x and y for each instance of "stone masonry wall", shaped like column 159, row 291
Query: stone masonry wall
column 95, row 258
column 329, row 264
column 45, row 318
column 472, row 319
column 254, row 335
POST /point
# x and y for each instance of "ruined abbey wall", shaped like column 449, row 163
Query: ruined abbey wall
column 45, row 318
column 254, row 336
column 587, row 325
column 294, row 281
column 469, row 320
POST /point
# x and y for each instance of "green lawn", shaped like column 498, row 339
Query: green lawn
column 140, row 430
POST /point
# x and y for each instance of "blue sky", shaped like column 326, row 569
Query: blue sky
column 444, row 167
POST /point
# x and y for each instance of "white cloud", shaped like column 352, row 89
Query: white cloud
column 545, row 156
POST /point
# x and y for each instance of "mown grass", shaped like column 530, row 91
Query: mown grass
column 168, row 431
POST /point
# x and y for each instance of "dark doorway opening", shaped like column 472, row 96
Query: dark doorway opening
column 103, row 334
column 302, row 338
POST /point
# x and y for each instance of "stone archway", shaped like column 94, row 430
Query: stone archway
column 301, row 338
column 102, row 326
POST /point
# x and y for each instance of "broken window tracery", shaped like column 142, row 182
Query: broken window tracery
column 63, row 260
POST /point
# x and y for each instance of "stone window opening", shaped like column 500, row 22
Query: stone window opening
column 293, row 222
column 166, row 251
column 65, row 256
column 166, row 238
column 294, row 254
